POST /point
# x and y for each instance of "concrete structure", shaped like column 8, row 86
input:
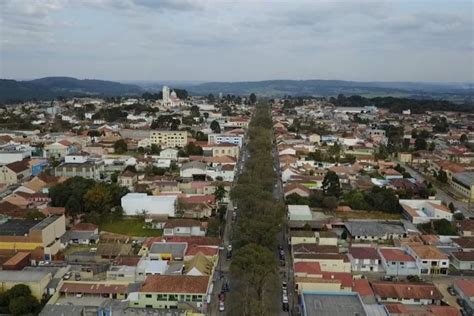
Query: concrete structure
column 137, row 203
column 429, row 259
column 396, row 261
column 331, row 304
column 12, row 155
column 374, row 231
column 299, row 213
column 225, row 139
column 37, row 281
column 89, row 169
column 17, row 234
column 463, row 182
column 15, row 172
column 169, row 139
column 365, row 259
column 424, row 211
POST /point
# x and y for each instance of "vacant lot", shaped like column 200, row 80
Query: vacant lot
column 130, row 227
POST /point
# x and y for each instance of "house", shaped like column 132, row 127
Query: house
column 218, row 139
column 169, row 153
column 288, row 172
column 396, row 261
column 465, row 243
column 328, row 261
column 82, row 233
column 219, row 150
column 425, row 211
column 462, row 260
column 168, row 251
column 324, row 281
column 390, row 174
column 193, row 169
column 199, row 265
column 153, row 205
column 296, row 188
column 59, row 149
column 169, row 291
column 183, row 227
column 128, row 178
column 146, row 267
column 463, row 183
column 407, row 293
column 374, row 231
column 467, row 228
column 365, row 259
column 465, row 290
column 75, row 167
column 15, row 172
column 429, row 259
column 94, row 289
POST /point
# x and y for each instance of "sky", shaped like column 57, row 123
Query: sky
column 238, row 40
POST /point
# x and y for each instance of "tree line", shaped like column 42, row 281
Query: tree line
column 260, row 218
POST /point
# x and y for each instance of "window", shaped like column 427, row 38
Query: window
column 148, row 295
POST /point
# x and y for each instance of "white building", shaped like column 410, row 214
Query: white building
column 424, row 211
column 137, row 203
column 225, row 139
column 299, row 213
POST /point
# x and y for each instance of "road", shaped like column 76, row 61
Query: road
column 440, row 193
column 222, row 273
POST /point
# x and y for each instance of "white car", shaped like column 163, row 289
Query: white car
column 284, row 298
column 229, row 248
column 221, row 306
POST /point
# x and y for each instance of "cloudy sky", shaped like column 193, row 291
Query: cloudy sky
column 235, row 40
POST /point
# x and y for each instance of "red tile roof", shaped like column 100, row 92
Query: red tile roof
column 364, row 253
column 207, row 251
column 344, row 277
column 395, row 255
column 84, row 227
column 467, row 286
column 93, row 288
column 406, row 290
column 176, row 284
column 362, row 287
column 307, row 267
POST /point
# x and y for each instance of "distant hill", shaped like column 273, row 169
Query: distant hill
column 279, row 88
column 52, row 87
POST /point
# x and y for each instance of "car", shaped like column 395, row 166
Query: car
column 77, row 277
column 451, row 291
column 284, row 299
column 229, row 247
column 79, row 295
column 280, row 247
column 285, row 307
column 387, row 278
column 225, row 287
column 282, row 263
column 229, row 255
column 221, row 306
column 67, row 276
column 284, row 285
column 284, row 291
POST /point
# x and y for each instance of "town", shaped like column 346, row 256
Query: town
column 172, row 204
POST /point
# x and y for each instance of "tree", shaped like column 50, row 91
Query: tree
column 220, row 193
column 20, row 301
column 255, row 267
column 73, row 206
column 155, row 149
column 252, row 98
column 120, row 146
column 432, row 146
column 442, row 176
column 330, row 202
column 452, row 207
column 206, row 115
column 34, row 215
column 195, row 111
column 98, row 198
column 331, row 185
column 420, row 143
column 216, row 128
column 463, row 139
column 211, row 99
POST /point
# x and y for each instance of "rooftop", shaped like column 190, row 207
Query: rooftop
column 332, row 304
column 176, row 284
column 17, row 227
column 372, row 228
column 406, row 290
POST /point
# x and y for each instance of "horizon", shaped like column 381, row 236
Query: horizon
column 209, row 41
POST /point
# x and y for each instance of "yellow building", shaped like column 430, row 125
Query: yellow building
column 169, row 138
column 19, row 234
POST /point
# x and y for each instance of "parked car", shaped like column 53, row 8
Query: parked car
column 77, row 277
column 225, row 287
column 282, row 263
column 67, row 276
column 229, row 255
column 229, row 247
column 284, row 299
column 221, row 306
column 451, row 291
column 284, row 285
column 285, row 307
column 387, row 278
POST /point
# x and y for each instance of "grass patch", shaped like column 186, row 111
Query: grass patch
column 367, row 215
column 130, row 227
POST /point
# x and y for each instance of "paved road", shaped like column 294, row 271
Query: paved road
column 440, row 193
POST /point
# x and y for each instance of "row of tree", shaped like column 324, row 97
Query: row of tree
column 259, row 220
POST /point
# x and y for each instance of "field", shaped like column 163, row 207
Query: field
column 130, row 227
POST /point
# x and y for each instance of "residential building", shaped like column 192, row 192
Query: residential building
column 361, row 231
column 365, row 259
column 424, row 211
column 15, row 172
column 407, row 293
column 169, row 139
column 465, row 290
column 463, row 183
column 331, row 304
column 462, row 260
column 225, row 139
column 299, row 213
column 396, row 261
column 183, row 227
column 37, row 281
column 59, row 149
column 429, row 259
column 170, row 291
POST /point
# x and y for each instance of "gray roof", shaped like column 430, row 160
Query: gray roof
column 177, row 249
column 72, row 235
column 17, row 227
column 62, row 310
column 22, row 276
column 333, row 304
column 372, row 228
column 466, row 178
column 194, row 164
